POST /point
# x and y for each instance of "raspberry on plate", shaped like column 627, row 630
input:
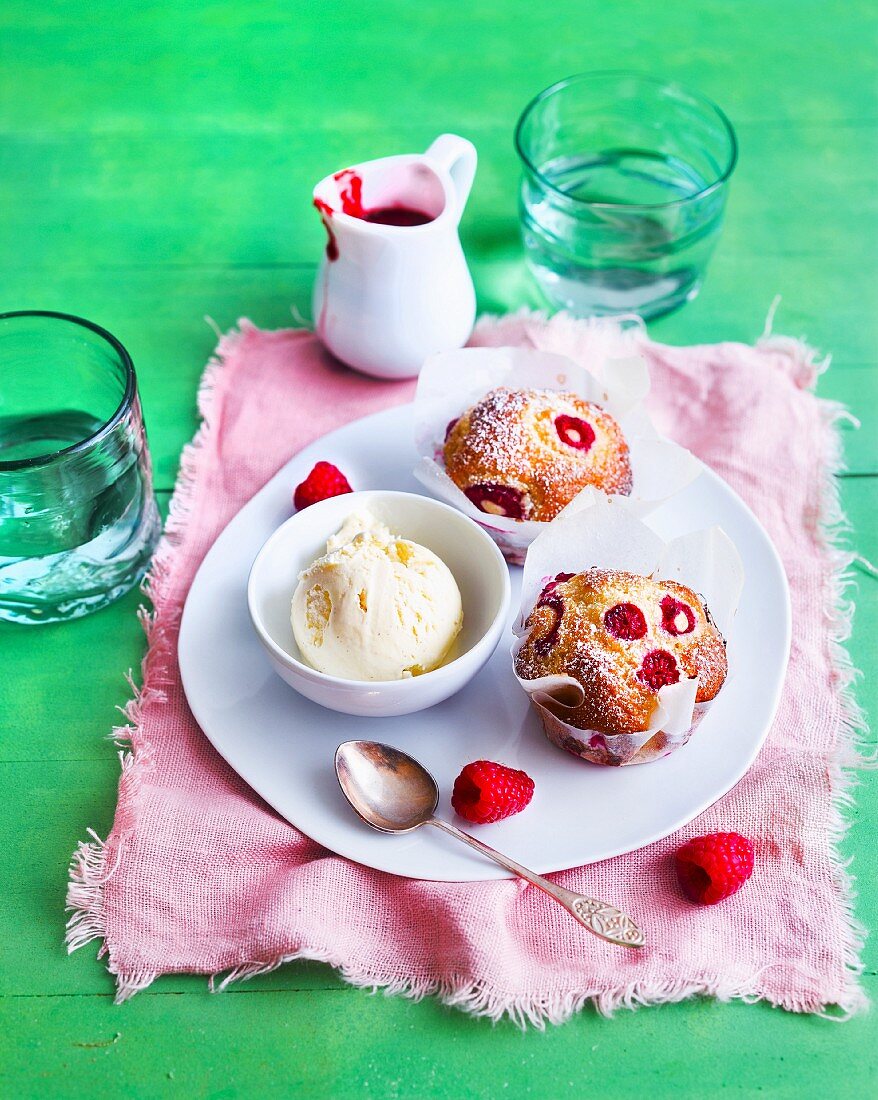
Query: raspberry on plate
column 324, row 481
column 714, row 867
column 485, row 792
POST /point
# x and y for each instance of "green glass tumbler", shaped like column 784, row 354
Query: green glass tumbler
column 78, row 516
column 623, row 192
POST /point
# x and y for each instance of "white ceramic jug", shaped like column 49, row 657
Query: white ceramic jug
column 393, row 287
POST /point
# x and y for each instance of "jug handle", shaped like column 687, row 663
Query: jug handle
column 458, row 158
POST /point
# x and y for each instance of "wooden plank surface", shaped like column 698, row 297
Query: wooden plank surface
column 155, row 168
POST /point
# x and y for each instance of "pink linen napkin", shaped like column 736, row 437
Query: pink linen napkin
column 198, row 874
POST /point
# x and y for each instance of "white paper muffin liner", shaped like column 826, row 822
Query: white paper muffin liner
column 453, row 381
column 604, row 535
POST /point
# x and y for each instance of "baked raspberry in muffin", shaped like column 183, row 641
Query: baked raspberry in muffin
column 526, row 454
column 622, row 637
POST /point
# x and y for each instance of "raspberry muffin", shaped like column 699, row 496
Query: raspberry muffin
column 525, row 454
column 622, row 637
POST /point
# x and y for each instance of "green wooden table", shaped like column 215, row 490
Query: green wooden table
column 156, row 162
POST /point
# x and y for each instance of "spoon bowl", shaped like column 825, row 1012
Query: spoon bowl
column 389, row 789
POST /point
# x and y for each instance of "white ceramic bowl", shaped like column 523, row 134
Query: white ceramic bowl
column 470, row 554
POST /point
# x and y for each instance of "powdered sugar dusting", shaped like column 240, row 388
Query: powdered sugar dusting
column 510, row 437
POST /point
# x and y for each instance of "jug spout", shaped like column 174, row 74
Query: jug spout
column 412, row 190
column 360, row 204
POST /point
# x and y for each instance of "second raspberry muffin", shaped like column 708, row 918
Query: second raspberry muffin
column 622, row 638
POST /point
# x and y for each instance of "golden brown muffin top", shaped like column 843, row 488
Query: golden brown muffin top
column 622, row 637
column 527, row 453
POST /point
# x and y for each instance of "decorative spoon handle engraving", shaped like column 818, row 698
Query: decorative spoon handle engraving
column 606, row 921
column 601, row 919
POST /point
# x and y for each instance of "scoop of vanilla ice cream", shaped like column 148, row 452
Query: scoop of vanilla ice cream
column 375, row 607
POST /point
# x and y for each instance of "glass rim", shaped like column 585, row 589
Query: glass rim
column 578, row 78
column 112, row 421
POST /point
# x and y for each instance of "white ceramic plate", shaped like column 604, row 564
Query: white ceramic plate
column 283, row 745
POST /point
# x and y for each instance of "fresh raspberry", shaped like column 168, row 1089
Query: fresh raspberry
column 485, row 791
column 625, row 621
column 325, row 480
column 574, row 432
column 677, row 617
column 659, row 669
column 714, row 867
column 450, row 426
column 497, row 500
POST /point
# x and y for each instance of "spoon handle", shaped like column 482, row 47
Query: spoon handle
column 601, row 919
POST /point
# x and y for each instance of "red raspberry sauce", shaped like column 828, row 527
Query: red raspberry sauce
column 396, row 215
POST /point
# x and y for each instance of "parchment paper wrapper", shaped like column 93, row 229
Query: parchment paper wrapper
column 601, row 533
column 452, row 381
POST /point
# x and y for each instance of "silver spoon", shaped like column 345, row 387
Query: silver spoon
column 393, row 793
